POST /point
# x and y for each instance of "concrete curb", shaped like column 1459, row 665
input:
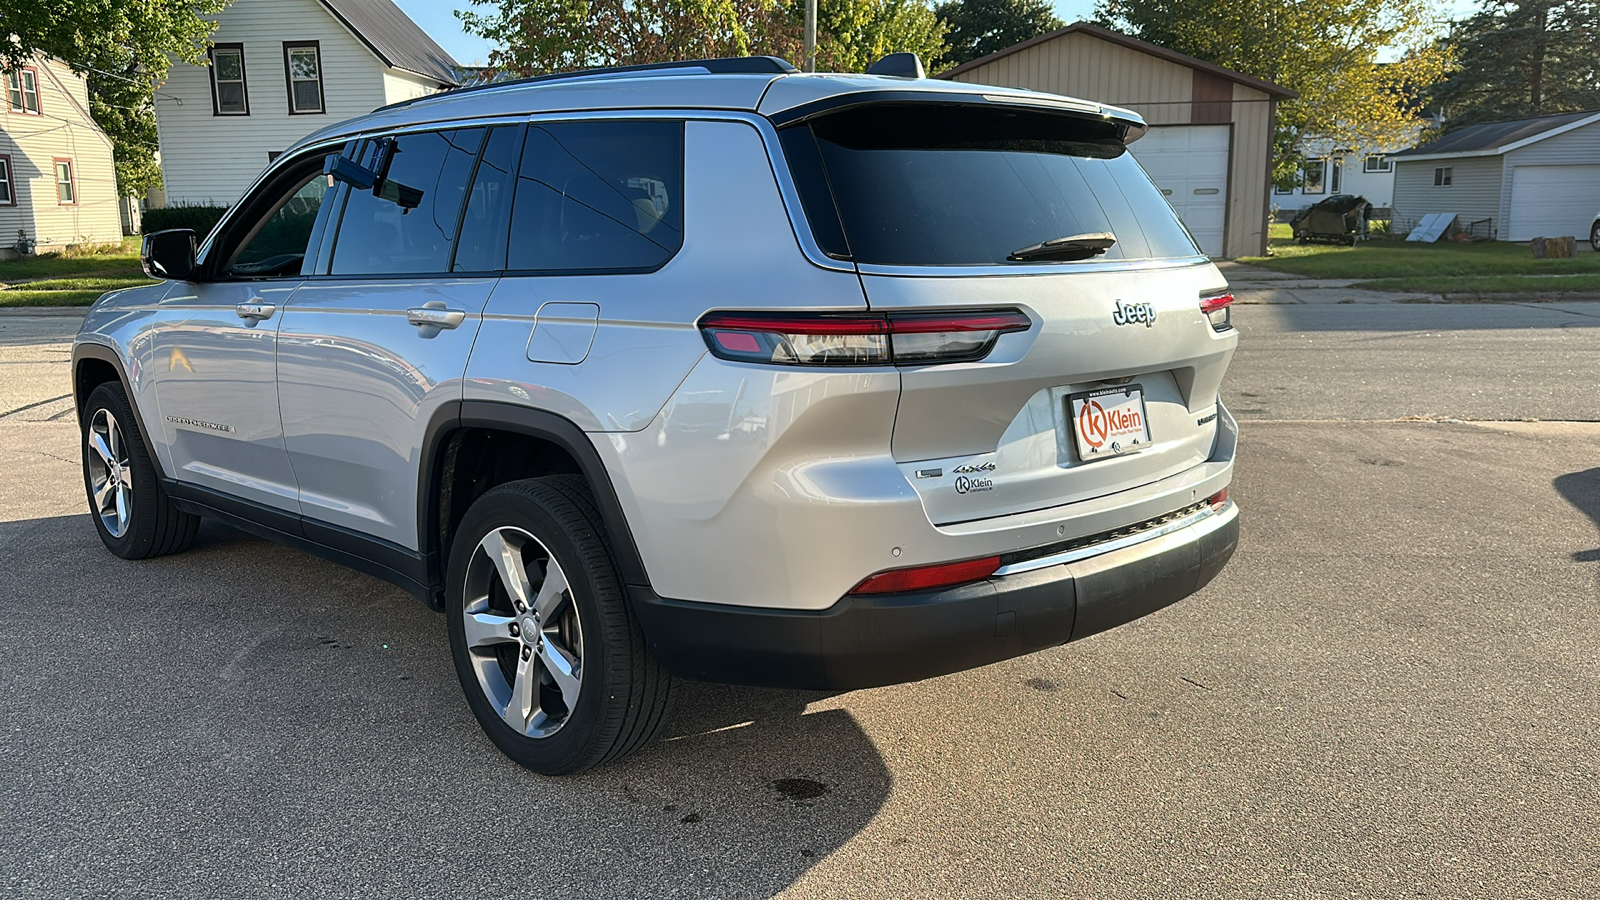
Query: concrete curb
column 25, row 311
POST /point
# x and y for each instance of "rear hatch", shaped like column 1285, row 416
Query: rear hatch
column 1114, row 385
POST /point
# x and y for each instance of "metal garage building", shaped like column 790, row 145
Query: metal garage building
column 1513, row 181
column 1210, row 144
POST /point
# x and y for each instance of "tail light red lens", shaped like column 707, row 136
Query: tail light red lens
column 1217, row 310
column 864, row 339
column 1219, row 499
column 925, row 578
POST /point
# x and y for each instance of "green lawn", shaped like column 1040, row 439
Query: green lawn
column 1444, row 267
column 70, row 278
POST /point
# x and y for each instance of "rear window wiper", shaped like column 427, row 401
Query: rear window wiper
column 1070, row 248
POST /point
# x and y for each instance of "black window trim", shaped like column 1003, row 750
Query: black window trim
column 211, row 77
column 466, row 201
column 288, row 78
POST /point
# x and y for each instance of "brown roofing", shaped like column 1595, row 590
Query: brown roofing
column 1132, row 43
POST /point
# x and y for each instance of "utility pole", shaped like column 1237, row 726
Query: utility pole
column 811, row 35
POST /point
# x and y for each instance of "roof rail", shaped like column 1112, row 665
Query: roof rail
column 736, row 65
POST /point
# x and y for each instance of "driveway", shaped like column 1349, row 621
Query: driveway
column 1390, row 691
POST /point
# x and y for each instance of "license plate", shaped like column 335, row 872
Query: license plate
column 1109, row 422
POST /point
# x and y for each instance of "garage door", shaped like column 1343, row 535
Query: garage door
column 1553, row 201
column 1190, row 165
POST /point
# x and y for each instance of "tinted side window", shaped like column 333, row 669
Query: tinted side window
column 598, row 196
column 279, row 243
column 482, row 247
column 380, row 236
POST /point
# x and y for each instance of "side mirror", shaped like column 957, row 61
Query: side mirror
column 169, row 254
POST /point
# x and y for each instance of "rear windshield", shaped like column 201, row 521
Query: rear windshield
column 937, row 185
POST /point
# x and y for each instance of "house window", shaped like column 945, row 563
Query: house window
column 1441, row 176
column 1312, row 173
column 302, row 65
column 228, row 94
column 1377, row 162
column 1336, row 176
column 66, row 187
column 7, row 196
column 22, row 85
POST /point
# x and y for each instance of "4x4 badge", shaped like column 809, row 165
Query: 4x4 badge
column 969, row 468
column 1133, row 314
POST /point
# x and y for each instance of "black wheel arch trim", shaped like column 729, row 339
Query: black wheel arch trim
column 547, row 426
column 106, row 354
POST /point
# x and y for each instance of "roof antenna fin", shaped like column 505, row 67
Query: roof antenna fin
column 898, row 65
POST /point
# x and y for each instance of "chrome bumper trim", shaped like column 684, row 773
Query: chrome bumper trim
column 1203, row 522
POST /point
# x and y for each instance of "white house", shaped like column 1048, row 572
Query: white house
column 1326, row 170
column 1513, row 181
column 279, row 70
column 57, row 182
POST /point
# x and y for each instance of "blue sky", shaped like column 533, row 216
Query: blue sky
column 435, row 18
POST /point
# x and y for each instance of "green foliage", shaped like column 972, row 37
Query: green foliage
column 122, row 46
column 536, row 37
column 1327, row 53
column 1521, row 58
column 854, row 34
column 977, row 28
column 199, row 216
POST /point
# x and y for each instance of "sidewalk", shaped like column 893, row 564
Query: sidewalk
column 1255, row 285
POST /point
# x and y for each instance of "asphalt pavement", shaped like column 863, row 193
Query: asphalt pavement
column 1391, row 690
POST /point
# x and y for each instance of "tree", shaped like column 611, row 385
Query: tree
column 122, row 47
column 1328, row 53
column 536, row 37
column 1521, row 58
column 978, row 28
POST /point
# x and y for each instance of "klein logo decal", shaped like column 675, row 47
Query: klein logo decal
column 965, row 485
column 1096, row 424
column 196, row 423
column 1134, row 314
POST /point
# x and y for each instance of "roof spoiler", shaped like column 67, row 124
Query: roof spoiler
column 1131, row 125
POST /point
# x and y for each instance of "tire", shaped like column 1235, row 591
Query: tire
column 130, row 508
column 585, row 640
column 1594, row 235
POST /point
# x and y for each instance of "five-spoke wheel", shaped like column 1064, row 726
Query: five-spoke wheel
column 131, row 510
column 110, row 473
column 547, row 649
column 523, row 632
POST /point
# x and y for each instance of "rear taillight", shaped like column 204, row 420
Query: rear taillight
column 924, row 578
column 1216, row 309
column 1219, row 499
column 851, row 339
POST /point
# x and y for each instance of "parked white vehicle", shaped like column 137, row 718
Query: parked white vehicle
column 712, row 370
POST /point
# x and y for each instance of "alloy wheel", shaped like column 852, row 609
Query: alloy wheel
column 522, row 632
column 110, row 473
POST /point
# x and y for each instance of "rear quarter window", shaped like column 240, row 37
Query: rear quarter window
column 936, row 185
column 598, row 196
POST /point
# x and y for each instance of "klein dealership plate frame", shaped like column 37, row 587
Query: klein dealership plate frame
column 1108, row 422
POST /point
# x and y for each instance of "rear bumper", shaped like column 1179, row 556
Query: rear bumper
column 864, row 641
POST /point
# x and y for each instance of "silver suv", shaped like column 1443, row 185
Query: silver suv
column 713, row 370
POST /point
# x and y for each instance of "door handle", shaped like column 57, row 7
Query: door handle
column 255, row 312
column 435, row 316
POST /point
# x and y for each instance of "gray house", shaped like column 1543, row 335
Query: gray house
column 1511, row 181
